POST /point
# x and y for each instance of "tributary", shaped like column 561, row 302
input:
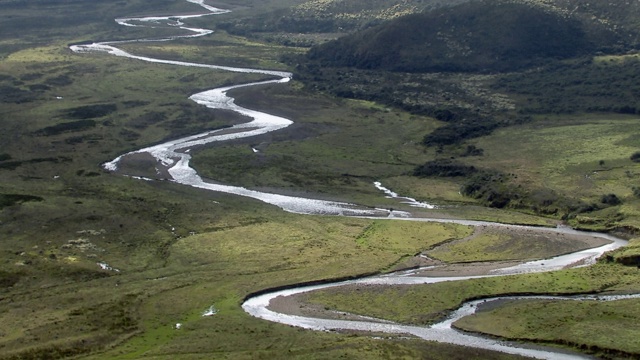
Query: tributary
column 173, row 158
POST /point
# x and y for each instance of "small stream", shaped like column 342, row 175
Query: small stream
column 173, row 158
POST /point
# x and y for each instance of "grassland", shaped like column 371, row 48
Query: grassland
column 341, row 132
column 605, row 328
column 216, row 267
column 434, row 300
column 586, row 156
column 179, row 251
column 581, row 155
column 488, row 244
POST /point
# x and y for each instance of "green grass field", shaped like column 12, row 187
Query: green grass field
column 181, row 250
column 607, row 328
column 428, row 303
column 587, row 156
column 178, row 250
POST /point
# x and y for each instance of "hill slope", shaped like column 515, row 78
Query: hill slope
column 477, row 36
column 332, row 16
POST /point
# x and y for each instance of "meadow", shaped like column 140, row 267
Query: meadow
column 169, row 253
column 568, row 324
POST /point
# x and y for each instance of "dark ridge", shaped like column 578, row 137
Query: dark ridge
column 472, row 37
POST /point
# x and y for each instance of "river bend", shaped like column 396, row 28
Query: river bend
column 173, row 159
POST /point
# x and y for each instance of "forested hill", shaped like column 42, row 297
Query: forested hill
column 475, row 36
column 623, row 17
column 331, row 16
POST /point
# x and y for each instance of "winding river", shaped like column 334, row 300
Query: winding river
column 173, row 158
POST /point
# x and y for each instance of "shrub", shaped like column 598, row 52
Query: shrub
column 610, row 199
column 443, row 168
column 91, row 111
column 71, row 126
column 472, row 150
column 12, row 199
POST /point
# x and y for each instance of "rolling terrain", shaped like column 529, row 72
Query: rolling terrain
column 482, row 66
column 99, row 265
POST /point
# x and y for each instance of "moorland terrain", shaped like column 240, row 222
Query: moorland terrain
column 516, row 112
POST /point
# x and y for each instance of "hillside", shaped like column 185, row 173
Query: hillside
column 304, row 23
column 483, row 66
column 622, row 17
column 332, row 16
column 477, row 37
column 106, row 266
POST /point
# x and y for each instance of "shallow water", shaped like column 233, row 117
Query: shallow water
column 173, row 156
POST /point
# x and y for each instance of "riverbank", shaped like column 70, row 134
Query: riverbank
column 174, row 157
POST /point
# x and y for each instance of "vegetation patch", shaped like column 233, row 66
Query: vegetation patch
column 12, row 94
column 629, row 255
column 71, row 126
column 495, row 244
column 91, row 111
column 8, row 279
column 582, row 85
column 601, row 328
column 360, row 242
column 12, row 199
column 14, row 164
column 424, row 304
column 459, row 131
column 444, row 168
column 488, row 36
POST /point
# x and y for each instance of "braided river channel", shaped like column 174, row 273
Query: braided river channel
column 172, row 158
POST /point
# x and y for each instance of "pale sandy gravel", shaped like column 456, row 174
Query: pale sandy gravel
column 145, row 165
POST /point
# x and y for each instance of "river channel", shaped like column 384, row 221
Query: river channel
column 173, row 158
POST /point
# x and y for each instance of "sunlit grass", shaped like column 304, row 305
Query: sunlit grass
column 600, row 326
column 428, row 303
column 583, row 156
column 614, row 59
column 181, row 250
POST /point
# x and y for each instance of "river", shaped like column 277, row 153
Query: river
column 173, row 159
